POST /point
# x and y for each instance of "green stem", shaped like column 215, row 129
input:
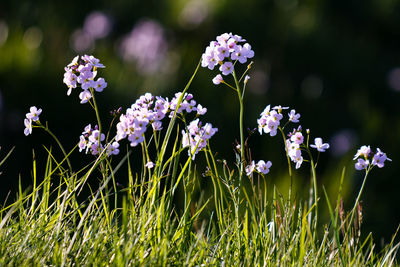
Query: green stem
column 359, row 193
column 96, row 109
column 314, row 176
column 286, row 151
column 237, row 208
column 240, row 123
column 46, row 128
column 158, row 168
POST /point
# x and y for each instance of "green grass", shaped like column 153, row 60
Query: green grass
column 49, row 226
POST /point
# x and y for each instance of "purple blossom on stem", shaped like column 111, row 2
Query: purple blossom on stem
column 34, row 113
column 226, row 68
column 28, row 127
column 218, row 79
column 380, row 158
column 319, row 145
column 263, row 167
column 293, row 116
column 250, row 168
column 366, row 158
column 223, row 51
column 361, row 164
column 82, row 73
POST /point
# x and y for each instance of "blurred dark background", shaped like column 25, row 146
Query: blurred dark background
column 336, row 62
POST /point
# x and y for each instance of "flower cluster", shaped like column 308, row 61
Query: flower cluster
column 90, row 141
column 293, row 143
column 366, row 158
column 33, row 115
column 261, row 167
column 150, row 110
column 83, row 72
column 270, row 119
column 269, row 123
column 226, row 50
column 188, row 104
column 196, row 136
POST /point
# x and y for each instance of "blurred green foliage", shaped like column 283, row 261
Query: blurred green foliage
column 336, row 62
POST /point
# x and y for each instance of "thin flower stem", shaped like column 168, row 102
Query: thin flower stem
column 46, row 128
column 245, row 72
column 230, row 86
column 237, row 208
column 286, row 151
column 240, row 122
column 158, row 167
column 314, row 177
column 359, row 193
column 96, row 109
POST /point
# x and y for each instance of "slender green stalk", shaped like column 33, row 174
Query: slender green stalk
column 314, row 178
column 46, row 128
column 96, row 109
column 359, row 194
column 171, row 125
column 242, row 159
column 286, row 151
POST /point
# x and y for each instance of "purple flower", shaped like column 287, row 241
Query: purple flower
column 263, row 167
column 100, row 84
column 201, row 110
column 34, row 113
column 74, row 62
column 135, row 139
column 319, row 145
column 361, row 164
column 149, row 165
column 28, row 127
column 157, row 125
column 223, row 50
column 208, row 59
column 239, row 55
column 293, row 117
column 297, row 158
column 82, row 143
column 94, row 62
column 250, row 168
column 96, row 137
column 364, row 151
column 85, row 95
column 246, row 51
column 197, row 136
column 70, row 79
column 218, row 79
column 379, row 158
column 226, row 68
column 280, row 108
column 113, row 149
column 83, row 73
column 297, row 138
